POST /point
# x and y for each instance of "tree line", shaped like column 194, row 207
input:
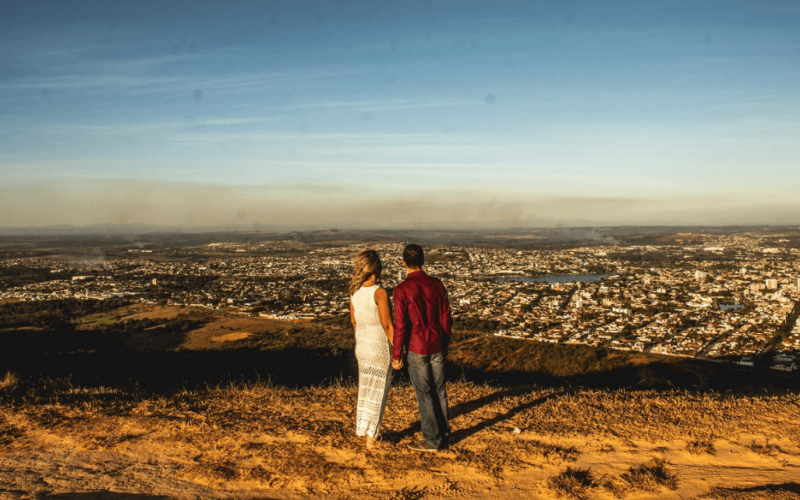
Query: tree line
column 53, row 314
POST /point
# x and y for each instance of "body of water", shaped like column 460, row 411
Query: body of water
column 561, row 278
column 729, row 307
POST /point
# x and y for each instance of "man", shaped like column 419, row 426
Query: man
column 422, row 321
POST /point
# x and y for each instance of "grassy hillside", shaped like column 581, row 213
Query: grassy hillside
column 144, row 402
column 268, row 441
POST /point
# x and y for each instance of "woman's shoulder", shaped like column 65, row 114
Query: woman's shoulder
column 380, row 292
column 366, row 289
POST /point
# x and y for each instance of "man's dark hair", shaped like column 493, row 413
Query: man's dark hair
column 413, row 256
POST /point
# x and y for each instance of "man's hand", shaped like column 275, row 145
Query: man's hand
column 397, row 364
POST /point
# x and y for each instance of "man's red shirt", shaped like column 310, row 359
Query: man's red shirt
column 421, row 315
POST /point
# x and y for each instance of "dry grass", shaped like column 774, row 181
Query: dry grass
column 573, row 483
column 663, row 416
column 9, row 380
column 263, row 436
column 700, row 447
column 650, row 476
column 767, row 449
column 267, row 436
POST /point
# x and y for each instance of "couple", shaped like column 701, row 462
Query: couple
column 422, row 322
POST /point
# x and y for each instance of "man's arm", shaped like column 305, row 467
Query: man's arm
column 400, row 320
column 385, row 312
column 446, row 320
column 445, row 317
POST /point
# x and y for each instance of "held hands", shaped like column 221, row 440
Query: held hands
column 397, row 364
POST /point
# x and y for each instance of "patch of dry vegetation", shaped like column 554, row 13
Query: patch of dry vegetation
column 650, row 476
column 9, row 380
column 263, row 436
column 767, row 449
column 266, row 436
column 573, row 483
column 664, row 415
column 700, row 447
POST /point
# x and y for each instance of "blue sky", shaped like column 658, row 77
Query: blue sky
column 340, row 113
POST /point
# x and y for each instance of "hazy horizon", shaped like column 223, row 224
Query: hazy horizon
column 421, row 114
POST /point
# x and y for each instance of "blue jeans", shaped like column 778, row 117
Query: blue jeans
column 427, row 377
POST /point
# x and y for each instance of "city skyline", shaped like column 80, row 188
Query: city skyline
column 356, row 114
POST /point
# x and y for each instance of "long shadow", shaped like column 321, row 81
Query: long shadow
column 91, row 359
column 463, row 434
column 458, row 410
column 470, row 406
column 98, row 359
column 689, row 374
column 476, row 404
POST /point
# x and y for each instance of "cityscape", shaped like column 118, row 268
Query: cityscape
column 716, row 297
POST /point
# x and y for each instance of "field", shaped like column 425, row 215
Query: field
column 266, row 441
column 118, row 401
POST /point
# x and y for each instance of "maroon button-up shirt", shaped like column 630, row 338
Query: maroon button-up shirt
column 421, row 315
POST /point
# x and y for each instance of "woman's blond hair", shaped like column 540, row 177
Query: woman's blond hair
column 366, row 263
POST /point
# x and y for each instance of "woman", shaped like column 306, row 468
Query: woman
column 372, row 320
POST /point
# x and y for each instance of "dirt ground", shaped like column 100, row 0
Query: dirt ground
column 263, row 441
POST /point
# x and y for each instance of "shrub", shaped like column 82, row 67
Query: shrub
column 9, row 381
column 700, row 447
column 650, row 476
column 573, row 483
column 767, row 449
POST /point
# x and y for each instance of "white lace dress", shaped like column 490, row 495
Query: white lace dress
column 374, row 355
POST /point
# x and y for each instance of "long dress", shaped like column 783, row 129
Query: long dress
column 373, row 352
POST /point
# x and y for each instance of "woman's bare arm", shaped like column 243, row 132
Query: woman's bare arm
column 352, row 316
column 385, row 312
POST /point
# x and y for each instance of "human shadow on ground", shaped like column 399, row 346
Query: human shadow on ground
column 462, row 434
column 473, row 405
column 456, row 411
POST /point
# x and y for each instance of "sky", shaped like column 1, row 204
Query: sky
column 373, row 114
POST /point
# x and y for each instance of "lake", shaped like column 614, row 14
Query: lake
column 560, row 278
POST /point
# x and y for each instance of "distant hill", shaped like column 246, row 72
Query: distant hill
column 167, row 347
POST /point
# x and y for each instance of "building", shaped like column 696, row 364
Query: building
column 772, row 284
column 700, row 275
